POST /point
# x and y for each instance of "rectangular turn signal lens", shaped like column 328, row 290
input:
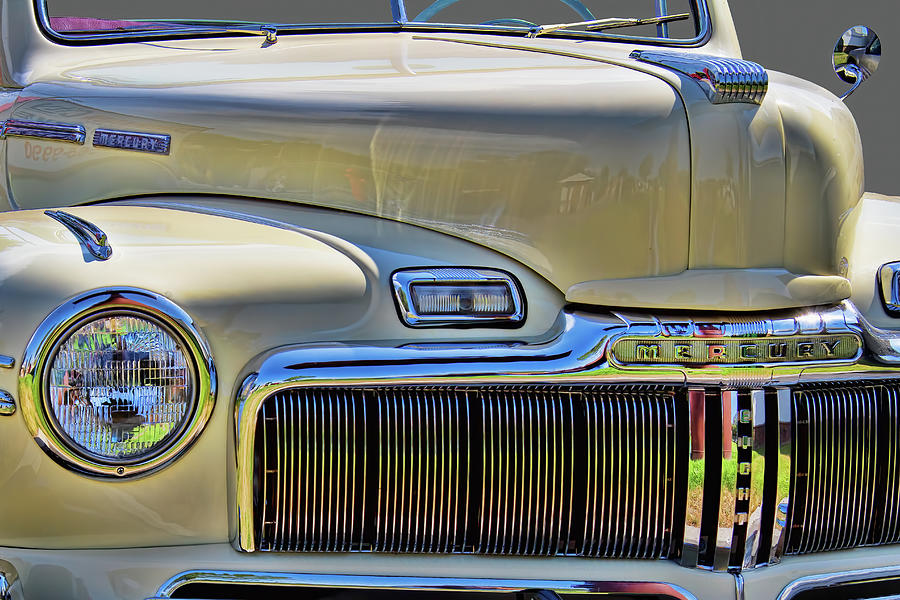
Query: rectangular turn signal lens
column 455, row 296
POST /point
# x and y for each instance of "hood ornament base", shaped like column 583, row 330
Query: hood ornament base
column 725, row 80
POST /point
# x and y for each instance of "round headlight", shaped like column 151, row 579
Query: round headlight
column 120, row 387
column 117, row 382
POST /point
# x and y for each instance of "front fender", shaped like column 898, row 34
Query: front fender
column 870, row 237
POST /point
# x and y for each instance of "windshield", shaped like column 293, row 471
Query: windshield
column 98, row 19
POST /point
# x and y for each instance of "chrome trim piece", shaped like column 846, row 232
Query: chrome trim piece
column 39, row 355
column 57, row 132
column 7, row 404
column 780, row 528
column 157, row 143
column 690, row 553
column 856, row 57
column 753, row 494
column 425, row 584
column 404, row 280
column 724, row 80
column 731, row 413
column 738, row 586
column 7, row 362
column 662, row 30
column 43, row 17
column 573, row 353
column 889, row 282
column 828, row 580
column 837, row 478
column 437, row 451
column 757, row 350
column 91, row 237
column 657, row 341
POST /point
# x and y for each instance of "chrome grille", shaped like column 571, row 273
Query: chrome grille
column 846, row 490
column 535, row 470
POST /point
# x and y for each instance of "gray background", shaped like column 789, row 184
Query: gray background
column 797, row 37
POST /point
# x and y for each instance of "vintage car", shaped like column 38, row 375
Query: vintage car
column 412, row 300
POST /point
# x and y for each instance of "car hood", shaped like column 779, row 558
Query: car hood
column 578, row 168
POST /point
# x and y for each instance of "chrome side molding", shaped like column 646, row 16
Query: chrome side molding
column 58, row 132
column 91, row 237
column 725, row 80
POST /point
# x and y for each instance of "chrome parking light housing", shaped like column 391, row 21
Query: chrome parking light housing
column 482, row 297
column 169, row 322
column 889, row 282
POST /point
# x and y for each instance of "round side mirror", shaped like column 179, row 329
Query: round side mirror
column 856, row 56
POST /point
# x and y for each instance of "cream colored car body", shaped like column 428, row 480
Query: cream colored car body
column 438, row 149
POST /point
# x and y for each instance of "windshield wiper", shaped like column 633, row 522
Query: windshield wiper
column 263, row 29
column 610, row 23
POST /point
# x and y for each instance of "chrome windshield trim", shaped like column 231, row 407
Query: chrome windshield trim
column 398, row 24
column 425, row 584
column 811, row 582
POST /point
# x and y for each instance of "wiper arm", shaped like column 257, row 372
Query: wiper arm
column 610, row 23
column 269, row 31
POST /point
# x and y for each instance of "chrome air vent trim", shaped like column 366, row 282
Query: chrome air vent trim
column 57, row 132
column 725, row 80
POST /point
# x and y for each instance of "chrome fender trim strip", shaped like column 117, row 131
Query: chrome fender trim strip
column 57, row 132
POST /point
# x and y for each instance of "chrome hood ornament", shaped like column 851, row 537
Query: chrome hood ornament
column 725, row 80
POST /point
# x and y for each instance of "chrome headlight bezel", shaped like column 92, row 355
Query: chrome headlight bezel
column 53, row 331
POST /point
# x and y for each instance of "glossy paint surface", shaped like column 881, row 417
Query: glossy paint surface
column 571, row 158
column 320, row 165
column 321, row 276
column 868, row 239
column 535, row 155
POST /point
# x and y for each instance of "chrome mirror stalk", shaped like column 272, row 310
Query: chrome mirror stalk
column 856, row 56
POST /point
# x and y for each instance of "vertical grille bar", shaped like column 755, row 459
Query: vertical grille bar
column 782, row 485
column 691, row 550
column 519, row 471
